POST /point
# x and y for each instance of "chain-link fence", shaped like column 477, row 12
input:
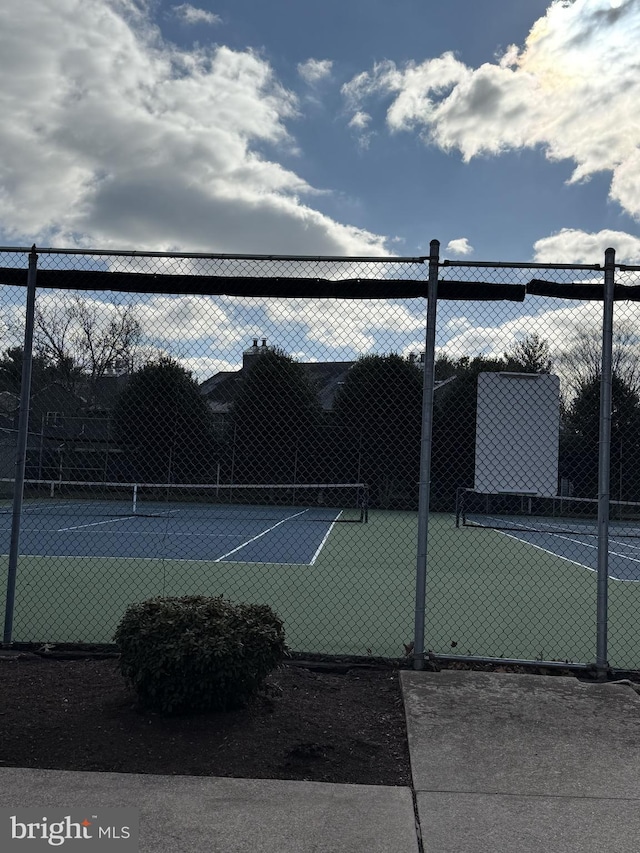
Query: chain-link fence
column 275, row 429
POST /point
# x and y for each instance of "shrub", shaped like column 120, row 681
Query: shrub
column 197, row 653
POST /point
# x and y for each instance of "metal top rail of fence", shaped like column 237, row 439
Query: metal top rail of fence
column 389, row 259
column 345, row 259
column 519, row 265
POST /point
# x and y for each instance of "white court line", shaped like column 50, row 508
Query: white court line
column 324, row 539
column 96, row 523
column 546, row 550
column 575, row 541
column 568, row 559
column 139, row 532
column 548, row 527
column 624, row 543
column 113, row 521
column 35, row 510
column 259, row 536
column 162, row 559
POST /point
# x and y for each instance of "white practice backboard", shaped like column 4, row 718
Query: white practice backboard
column 517, row 433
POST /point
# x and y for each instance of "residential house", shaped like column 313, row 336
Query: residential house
column 70, row 431
column 221, row 388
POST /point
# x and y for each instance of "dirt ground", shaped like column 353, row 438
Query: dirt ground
column 325, row 726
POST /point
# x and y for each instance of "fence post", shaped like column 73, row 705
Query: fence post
column 428, row 382
column 21, row 447
column 604, row 465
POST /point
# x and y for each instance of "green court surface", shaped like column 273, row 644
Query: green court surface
column 487, row 595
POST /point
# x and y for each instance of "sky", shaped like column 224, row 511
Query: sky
column 506, row 130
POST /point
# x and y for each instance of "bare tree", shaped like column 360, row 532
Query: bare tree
column 582, row 362
column 530, row 355
column 83, row 340
column 52, row 342
column 103, row 341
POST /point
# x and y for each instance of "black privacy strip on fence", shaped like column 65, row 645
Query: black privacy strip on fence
column 274, row 287
column 581, row 291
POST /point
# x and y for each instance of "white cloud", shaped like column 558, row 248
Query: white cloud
column 360, row 120
column 571, row 246
column 314, row 70
column 112, row 136
column 191, row 15
column 573, row 89
column 459, row 247
column 356, row 328
column 560, row 327
column 564, row 328
column 358, row 123
column 203, row 367
column 199, row 330
column 191, row 318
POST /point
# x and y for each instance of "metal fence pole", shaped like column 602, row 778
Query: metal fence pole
column 428, row 383
column 604, row 463
column 21, row 448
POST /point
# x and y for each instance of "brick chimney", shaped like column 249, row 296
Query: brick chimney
column 250, row 354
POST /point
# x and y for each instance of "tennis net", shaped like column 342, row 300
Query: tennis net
column 340, row 502
column 533, row 513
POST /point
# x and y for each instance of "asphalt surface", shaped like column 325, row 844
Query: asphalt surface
column 284, row 535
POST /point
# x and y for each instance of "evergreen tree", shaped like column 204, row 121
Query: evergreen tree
column 163, row 422
column 275, row 417
column 377, row 416
column 11, row 371
column 579, row 440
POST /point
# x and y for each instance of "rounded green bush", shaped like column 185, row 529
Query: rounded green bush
column 197, row 653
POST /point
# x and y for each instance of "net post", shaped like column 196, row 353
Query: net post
column 135, row 498
column 364, row 510
column 41, row 453
column 233, row 461
column 428, row 387
column 604, row 465
column 295, row 475
column 21, row 449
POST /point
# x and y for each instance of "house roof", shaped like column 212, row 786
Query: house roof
column 105, row 389
column 328, row 376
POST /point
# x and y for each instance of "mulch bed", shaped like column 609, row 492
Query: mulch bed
column 314, row 725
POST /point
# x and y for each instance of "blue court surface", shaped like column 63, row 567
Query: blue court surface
column 276, row 535
column 574, row 541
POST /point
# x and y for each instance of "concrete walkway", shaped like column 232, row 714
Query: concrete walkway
column 523, row 763
column 203, row 814
column 516, row 763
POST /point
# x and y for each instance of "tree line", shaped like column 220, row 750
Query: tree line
column 453, row 458
column 276, row 430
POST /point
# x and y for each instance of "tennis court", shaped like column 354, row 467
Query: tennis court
column 517, row 597
column 562, row 526
column 578, row 543
column 76, row 575
column 496, row 593
column 165, row 531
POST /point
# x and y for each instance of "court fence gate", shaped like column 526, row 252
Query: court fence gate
column 404, row 456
